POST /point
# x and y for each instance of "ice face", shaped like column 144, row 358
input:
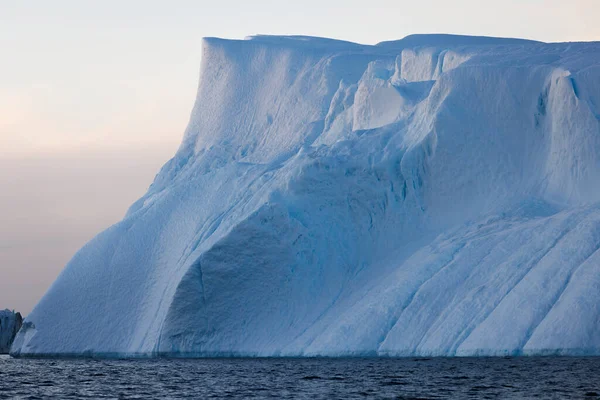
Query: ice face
column 430, row 196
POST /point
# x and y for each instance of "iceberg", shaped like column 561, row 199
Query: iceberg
column 10, row 323
column 432, row 196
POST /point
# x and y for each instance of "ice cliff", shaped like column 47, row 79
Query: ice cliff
column 10, row 323
column 436, row 195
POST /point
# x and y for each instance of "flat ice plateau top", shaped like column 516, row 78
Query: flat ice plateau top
column 436, row 195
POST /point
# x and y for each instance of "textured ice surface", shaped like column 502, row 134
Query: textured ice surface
column 436, row 195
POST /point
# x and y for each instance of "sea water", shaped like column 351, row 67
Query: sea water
column 528, row 377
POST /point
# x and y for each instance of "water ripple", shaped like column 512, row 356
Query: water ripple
column 443, row 378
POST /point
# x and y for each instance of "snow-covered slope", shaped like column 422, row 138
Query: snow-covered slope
column 436, row 195
column 10, row 323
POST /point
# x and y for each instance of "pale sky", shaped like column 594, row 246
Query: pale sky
column 95, row 96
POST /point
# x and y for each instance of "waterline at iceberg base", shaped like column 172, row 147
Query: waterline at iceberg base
column 436, row 195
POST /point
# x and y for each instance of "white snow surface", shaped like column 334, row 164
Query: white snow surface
column 436, row 195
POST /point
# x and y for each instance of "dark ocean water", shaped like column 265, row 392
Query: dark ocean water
column 459, row 378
